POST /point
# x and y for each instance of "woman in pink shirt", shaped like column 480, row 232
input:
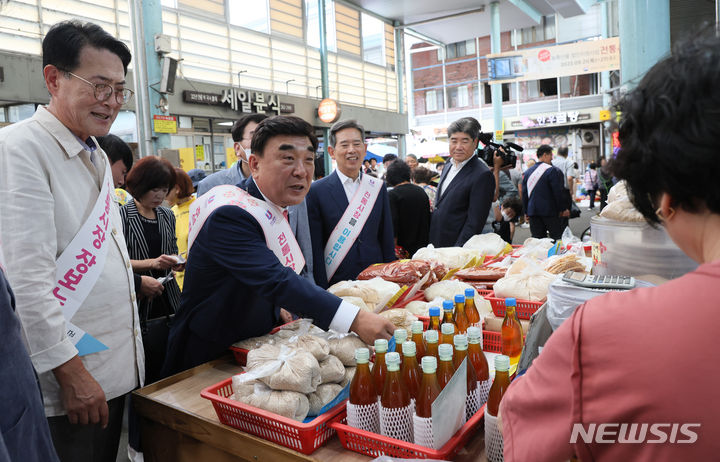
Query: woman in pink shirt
column 634, row 375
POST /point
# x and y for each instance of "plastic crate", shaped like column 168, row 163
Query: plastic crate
column 240, row 354
column 301, row 437
column 492, row 341
column 374, row 445
column 524, row 309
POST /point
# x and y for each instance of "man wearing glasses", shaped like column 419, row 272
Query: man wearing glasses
column 63, row 245
column 465, row 191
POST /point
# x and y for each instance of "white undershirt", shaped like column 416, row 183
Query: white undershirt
column 454, row 170
column 346, row 312
column 349, row 185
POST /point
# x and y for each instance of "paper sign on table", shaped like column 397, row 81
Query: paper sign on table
column 448, row 409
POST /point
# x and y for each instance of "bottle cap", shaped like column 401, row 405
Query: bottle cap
column 445, row 351
column 510, row 302
column 400, row 336
column 362, row 355
column 447, row 329
column 416, row 327
column 392, row 360
column 469, row 293
column 408, row 348
column 381, row 345
column 434, row 311
column 448, row 305
column 474, row 333
column 429, row 364
column 431, row 336
column 459, row 298
column 502, row 363
column 461, row 342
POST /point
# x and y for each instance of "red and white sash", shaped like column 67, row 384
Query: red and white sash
column 278, row 234
column 81, row 264
column 351, row 223
column 535, row 177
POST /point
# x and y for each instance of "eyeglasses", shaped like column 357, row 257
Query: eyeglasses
column 103, row 91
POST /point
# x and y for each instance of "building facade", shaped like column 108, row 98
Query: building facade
column 233, row 56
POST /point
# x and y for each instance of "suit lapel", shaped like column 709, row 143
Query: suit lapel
column 465, row 171
column 338, row 192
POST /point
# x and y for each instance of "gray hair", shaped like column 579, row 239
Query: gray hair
column 342, row 125
column 468, row 125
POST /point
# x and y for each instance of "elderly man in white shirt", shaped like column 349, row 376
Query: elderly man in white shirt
column 64, row 247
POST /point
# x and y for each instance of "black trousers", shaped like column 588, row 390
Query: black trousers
column 540, row 227
column 591, row 195
column 88, row 443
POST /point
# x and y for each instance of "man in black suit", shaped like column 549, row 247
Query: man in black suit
column 465, row 191
column 544, row 197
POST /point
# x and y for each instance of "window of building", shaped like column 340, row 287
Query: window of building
column 373, row 39
column 540, row 33
column 548, row 87
column 433, row 101
column 20, row 112
column 312, row 34
column 169, row 3
column 251, row 14
column 507, row 91
column 476, row 95
column 458, row 49
column 457, row 96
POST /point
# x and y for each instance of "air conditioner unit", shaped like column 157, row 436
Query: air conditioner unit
column 590, row 137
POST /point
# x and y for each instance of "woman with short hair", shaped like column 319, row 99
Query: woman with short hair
column 149, row 231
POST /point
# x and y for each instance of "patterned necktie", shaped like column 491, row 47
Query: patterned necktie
column 286, row 214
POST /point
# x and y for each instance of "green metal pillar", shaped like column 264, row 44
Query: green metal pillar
column 644, row 37
column 496, row 88
column 400, row 75
column 325, row 80
column 145, row 22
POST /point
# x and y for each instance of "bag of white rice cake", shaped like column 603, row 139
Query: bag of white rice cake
column 289, row 404
column 324, row 394
column 284, row 368
column 400, row 317
column 349, row 374
column 486, row 244
column 332, row 370
column 451, row 257
column 344, row 345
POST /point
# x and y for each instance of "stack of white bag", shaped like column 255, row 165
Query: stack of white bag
column 619, row 206
column 371, row 295
column 486, row 244
column 451, row 257
column 526, row 280
column 535, row 248
column 296, row 379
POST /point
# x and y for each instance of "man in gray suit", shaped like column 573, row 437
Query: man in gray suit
column 242, row 133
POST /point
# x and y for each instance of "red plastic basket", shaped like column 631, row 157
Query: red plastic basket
column 524, row 309
column 374, row 445
column 302, row 437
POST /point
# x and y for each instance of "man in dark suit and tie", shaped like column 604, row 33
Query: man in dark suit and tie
column 465, row 191
column 331, row 203
column 544, row 198
column 242, row 266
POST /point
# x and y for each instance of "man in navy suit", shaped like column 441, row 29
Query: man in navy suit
column 465, row 191
column 543, row 195
column 234, row 283
column 330, row 197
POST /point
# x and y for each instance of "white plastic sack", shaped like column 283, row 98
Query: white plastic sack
column 486, row 244
column 525, row 280
column 451, row 257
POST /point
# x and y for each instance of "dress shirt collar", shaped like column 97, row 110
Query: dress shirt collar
column 71, row 144
column 281, row 209
column 461, row 164
column 344, row 178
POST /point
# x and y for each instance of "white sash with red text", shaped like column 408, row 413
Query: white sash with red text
column 278, row 234
column 81, row 264
column 535, row 177
column 351, row 223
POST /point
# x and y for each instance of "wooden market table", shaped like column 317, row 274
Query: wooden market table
column 180, row 426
